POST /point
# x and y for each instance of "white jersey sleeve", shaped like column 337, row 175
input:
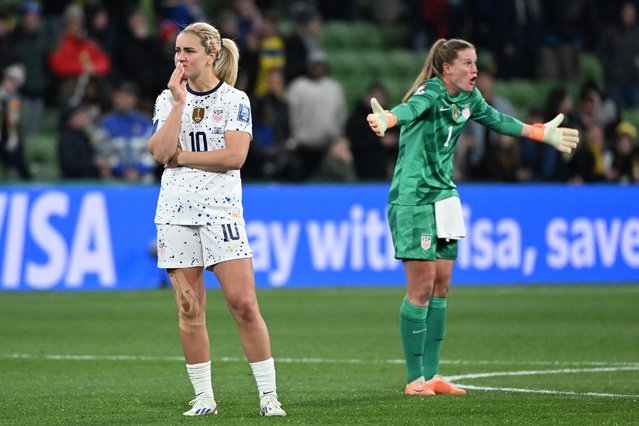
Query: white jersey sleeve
column 190, row 196
column 163, row 105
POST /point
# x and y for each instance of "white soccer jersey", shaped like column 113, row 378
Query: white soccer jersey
column 194, row 197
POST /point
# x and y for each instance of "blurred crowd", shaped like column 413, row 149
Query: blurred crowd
column 101, row 64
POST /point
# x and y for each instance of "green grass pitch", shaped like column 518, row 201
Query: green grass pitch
column 544, row 355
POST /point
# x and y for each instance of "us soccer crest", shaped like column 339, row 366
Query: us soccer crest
column 455, row 112
column 426, row 241
column 218, row 114
column 198, row 114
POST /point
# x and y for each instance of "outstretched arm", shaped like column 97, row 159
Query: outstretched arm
column 563, row 139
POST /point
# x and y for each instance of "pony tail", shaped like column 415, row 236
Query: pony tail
column 227, row 62
column 429, row 70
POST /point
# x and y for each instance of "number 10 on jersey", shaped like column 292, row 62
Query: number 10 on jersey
column 198, row 141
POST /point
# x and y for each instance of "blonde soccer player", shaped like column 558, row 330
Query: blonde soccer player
column 202, row 132
column 424, row 210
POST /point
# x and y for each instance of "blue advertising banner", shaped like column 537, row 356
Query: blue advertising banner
column 102, row 237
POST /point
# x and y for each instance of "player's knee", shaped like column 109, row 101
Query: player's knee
column 420, row 296
column 244, row 309
column 440, row 289
column 190, row 310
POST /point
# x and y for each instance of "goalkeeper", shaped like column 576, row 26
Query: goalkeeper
column 424, row 212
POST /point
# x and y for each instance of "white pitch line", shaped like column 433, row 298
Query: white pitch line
column 546, row 363
column 67, row 357
column 540, row 372
column 623, row 366
column 546, row 391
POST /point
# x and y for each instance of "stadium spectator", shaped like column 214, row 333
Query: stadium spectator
column 503, row 161
column 387, row 12
column 11, row 141
column 77, row 156
column 100, row 27
column 53, row 16
column 591, row 162
column 123, row 134
column 181, row 12
column 340, row 10
column 477, row 140
column 373, row 157
column 77, row 57
column 424, row 212
column 626, row 154
column 337, row 164
column 519, row 37
column 8, row 54
column 303, row 39
column 140, row 58
column 32, row 43
column 418, row 28
column 563, row 39
column 271, row 54
column 199, row 214
column 594, row 109
column 317, row 109
column 229, row 27
column 246, row 21
column 268, row 156
column 619, row 54
column 249, row 21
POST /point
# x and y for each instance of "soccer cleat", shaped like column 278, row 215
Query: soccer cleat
column 271, row 407
column 202, row 406
column 417, row 387
column 440, row 386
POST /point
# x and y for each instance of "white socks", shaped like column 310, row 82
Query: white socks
column 264, row 372
column 200, row 375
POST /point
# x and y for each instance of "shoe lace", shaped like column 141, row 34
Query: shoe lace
column 271, row 402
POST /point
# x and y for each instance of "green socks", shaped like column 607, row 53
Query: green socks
column 412, row 326
column 436, row 324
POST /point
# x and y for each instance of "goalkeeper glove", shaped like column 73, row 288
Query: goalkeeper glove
column 380, row 120
column 561, row 138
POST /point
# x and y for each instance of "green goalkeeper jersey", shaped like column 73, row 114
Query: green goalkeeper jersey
column 431, row 122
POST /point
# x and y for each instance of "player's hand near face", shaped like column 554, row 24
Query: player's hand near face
column 177, row 83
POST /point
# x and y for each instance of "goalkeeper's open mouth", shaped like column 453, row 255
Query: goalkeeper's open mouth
column 473, row 80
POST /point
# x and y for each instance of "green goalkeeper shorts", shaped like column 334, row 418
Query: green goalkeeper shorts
column 414, row 234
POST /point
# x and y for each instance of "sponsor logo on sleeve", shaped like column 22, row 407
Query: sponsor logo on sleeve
column 244, row 113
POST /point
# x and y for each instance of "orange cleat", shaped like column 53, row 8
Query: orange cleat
column 441, row 387
column 417, row 387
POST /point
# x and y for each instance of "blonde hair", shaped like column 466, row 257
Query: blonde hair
column 227, row 59
column 442, row 52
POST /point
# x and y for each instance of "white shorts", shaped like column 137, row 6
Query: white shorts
column 185, row 246
column 449, row 219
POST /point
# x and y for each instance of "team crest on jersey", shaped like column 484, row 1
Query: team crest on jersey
column 455, row 112
column 426, row 241
column 198, row 114
column 466, row 112
column 421, row 89
column 218, row 115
